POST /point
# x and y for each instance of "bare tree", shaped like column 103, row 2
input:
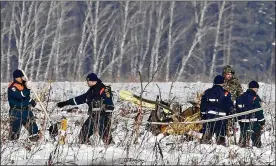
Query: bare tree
column 216, row 42
column 61, row 37
column 154, row 60
column 85, row 37
column 44, row 39
column 198, row 35
column 170, row 41
column 272, row 61
column 105, row 18
column 230, row 34
column 28, row 34
column 21, row 31
column 9, row 44
column 137, row 37
column 123, row 36
column 143, row 56
column 54, row 45
column 106, row 35
column 34, row 43
column 110, row 67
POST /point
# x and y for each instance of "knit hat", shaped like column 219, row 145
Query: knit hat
column 219, row 79
column 253, row 84
column 92, row 77
column 17, row 73
column 228, row 69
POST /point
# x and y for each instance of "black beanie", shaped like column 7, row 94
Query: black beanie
column 92, row 77
column 17, row 73
column 253, row 84
column 219, row 79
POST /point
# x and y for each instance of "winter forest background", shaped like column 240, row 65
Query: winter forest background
column 172, row 41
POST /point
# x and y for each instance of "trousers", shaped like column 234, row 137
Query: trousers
column 249, row 131
column 100, row 122
column 21, row 117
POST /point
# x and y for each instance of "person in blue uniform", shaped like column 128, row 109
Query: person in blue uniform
column 250, row 124
column 215, row 102
column 100, row 103
column 20, row 113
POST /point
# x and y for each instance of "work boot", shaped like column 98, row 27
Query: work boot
column 13, row 136
column 108, row 140
column 256, row 139
column 34, row 137
column 83, row 140
column 206, row 139
column 244, row 140
column 221, row 141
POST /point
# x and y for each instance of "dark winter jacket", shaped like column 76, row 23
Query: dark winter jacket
column 94, row 96
column 248, row 101
column 216, row 102
column 19, row 95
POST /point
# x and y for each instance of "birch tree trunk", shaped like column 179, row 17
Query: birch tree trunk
column 272, row 61
column 196, row 13
column 104, row 52
column 57, row 55
column 9, row 44
column 36, row 16
column 44, row 41
column 54, row 44
column 27, row 37
column 132, row 60
column 114, row 51
column 169, row 42
column 216, row 41
column 141, row 66
column 230, row 35
column 225, row 33
column 105, row 41
column 78, row 61
column 124, row 33
column 199, row 34
column 155, row 49
column 4, row 30
column 21, row 31
column 95, row 37
column 135, row 67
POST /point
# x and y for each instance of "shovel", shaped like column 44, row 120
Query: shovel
column 53, row 129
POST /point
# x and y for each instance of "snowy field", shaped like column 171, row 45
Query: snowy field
column 171, row 150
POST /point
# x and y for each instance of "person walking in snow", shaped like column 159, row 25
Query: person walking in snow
column 100, row 103
column 20, row 113
column 215, row 102
column 250, row 124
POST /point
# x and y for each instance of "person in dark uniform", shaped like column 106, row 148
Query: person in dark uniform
column 250, row 124
column 99, row 99
column 215, row 102
column 20, row 113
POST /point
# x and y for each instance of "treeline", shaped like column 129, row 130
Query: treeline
column 169, row 41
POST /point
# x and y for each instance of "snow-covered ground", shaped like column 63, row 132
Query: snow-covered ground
column 173, row 150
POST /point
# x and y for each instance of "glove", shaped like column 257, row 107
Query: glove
column 33, row 103
column 62, row 104
column 108, row 108
column 261, row 123
column 28, row 84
